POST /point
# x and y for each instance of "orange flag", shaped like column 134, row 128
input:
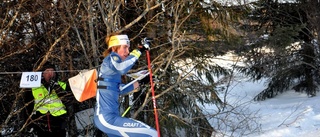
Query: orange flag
column 84, row 85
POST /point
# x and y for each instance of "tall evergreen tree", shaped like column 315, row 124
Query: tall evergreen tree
column 290, row 60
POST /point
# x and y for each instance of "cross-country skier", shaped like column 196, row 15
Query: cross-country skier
column 118, row 61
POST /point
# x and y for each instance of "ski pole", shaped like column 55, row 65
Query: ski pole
column 146, row 45
column 125, row 112
column 153, row 94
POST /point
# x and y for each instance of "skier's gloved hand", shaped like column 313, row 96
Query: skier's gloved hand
column 146, row 42
column 136, row 53
column 143, row 48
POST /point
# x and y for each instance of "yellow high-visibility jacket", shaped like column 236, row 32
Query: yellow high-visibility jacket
column 48, row 103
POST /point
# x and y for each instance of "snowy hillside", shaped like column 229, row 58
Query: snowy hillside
column 290, row 114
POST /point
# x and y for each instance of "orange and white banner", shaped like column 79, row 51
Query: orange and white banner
column 84, row 85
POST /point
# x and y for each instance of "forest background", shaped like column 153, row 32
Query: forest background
column 275, row 39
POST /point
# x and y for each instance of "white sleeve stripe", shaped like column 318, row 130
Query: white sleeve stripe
column 123, row 65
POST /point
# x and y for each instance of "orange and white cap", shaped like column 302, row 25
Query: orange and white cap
column 117, row 40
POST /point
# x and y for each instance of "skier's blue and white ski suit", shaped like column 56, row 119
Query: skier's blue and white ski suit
column 107, row 117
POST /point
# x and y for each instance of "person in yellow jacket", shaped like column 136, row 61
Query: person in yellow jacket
column 49, row 112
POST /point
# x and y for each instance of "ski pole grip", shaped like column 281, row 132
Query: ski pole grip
column 146, row 42
column 146, row 39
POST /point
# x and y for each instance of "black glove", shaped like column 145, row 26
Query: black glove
column 144, row 47
column 146, row 42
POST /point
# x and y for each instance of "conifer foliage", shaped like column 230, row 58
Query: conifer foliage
column 287, row 51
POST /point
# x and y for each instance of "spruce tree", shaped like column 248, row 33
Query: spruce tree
column 290, row 61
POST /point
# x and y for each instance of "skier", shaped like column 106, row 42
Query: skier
column 118, row 61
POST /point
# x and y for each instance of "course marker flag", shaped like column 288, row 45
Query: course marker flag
column 84, row 85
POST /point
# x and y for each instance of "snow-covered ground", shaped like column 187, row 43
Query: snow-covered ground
column 290, row 114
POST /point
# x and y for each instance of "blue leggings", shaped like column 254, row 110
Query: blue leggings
column 123, row 127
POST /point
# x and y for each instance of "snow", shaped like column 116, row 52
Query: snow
column 290, row 114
